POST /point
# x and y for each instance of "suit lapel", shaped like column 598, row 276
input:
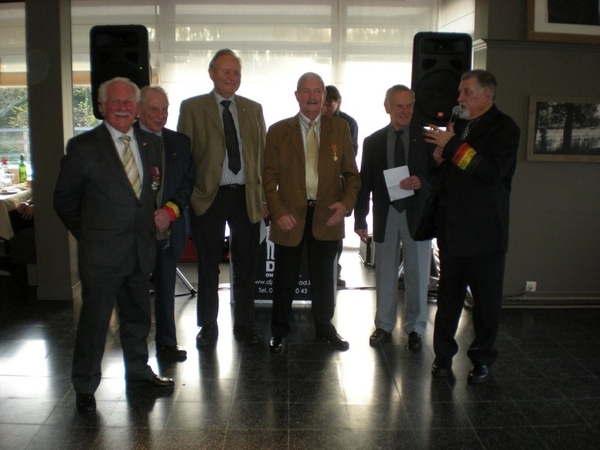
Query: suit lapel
column 295, row 138
column 212, row 110
column 146, row 158
column 110, row 152
column 380, row 148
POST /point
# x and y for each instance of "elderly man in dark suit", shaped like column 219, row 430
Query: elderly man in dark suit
column 478, row 158
column 173, row 197
column 395, row 223
column 106, row 197
column 228, row 139
column 311, row 182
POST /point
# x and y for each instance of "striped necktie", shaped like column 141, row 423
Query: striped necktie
column 130, row 166
column 312, row 162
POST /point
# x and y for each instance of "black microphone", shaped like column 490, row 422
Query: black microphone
column 455, row 113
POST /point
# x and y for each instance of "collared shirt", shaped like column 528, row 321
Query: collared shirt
column 391, row 143
column 120, row 146
column 305, row 125
column 143, row 127
column 228, row 176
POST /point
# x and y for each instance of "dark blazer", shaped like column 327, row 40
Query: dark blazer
column 177, row 182
column 94, row 199
column 374, row 162
column 285, row 177
column 199, row 119
column 473, row 215
column 353, row 128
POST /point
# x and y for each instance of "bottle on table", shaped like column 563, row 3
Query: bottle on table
column 22, row 171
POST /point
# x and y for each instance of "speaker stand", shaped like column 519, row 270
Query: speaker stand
column 184, row 280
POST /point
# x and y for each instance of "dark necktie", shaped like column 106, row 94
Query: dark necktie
column 467, row 129
column 399, row 160
column 399, row 154
column 231, row 139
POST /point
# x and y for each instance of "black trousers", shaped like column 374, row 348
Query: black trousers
column 131, row 293
column 485, row 276
column 165, row 274
column 208, row 231
column 322, row 258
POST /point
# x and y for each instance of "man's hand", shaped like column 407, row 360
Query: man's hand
column 412, row 183
column 161, row 220
column 439, row 137
column 363, row 234
column 287, row 222
column 26, row 210
column 339, row 213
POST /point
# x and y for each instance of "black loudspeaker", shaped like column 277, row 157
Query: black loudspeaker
column 118, row 51
column 439, row 59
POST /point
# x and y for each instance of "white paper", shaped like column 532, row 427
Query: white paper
column 392, row 181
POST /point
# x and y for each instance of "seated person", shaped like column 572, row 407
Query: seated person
column 21, row 246
column 22, row 216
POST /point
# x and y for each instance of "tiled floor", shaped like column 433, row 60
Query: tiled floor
column 544, row 393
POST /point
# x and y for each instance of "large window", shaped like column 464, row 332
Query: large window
column 361, row 46
column 14, row 128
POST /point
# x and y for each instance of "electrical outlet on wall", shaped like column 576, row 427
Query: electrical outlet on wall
column 530, row 286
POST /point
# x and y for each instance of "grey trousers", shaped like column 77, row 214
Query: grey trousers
column 416, row 258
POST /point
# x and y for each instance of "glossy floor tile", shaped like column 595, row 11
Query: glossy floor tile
column 544, row 392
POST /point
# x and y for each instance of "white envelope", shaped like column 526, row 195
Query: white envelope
column 392, row 181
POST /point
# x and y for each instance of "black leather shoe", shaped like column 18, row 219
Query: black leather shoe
column 277, row 344
column 173, row 352
column 480, row 373
column 415, row 342
column 86, row 403
column 337, row 341
column 341, row 282
column 208, row 335
column 380, row 336
column 441, row 369
column 248, row 335
column 158, row 382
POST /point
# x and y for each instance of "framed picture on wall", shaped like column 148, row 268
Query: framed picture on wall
column 563, row 129
column 564, row 20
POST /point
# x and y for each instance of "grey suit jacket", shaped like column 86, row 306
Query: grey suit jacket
column 374, row 162
column 200, row 120
column 94, row 199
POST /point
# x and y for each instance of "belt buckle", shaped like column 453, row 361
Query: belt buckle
column 311, row 203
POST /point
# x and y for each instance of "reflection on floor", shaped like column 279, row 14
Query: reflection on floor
column 544, row 392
